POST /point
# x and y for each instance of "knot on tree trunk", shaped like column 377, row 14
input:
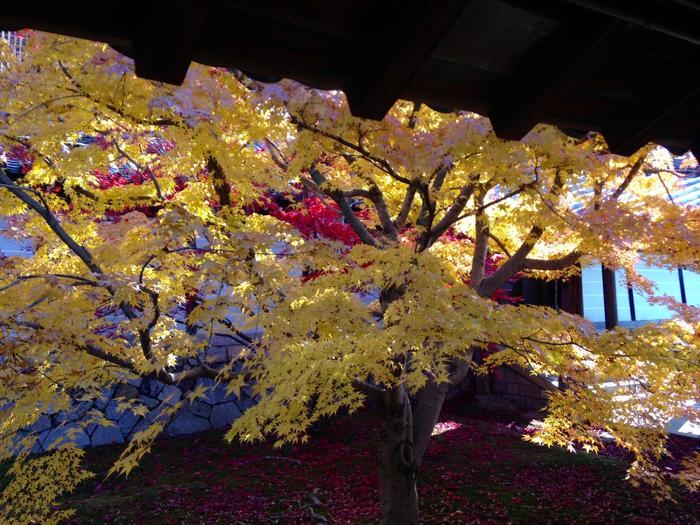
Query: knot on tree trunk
column 404, row 451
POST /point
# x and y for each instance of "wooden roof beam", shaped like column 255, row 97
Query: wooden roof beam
column 695, row 149
column 577, row 50
column 165, row 40
column 396, row 52
column 636, row 124
column 678, row 18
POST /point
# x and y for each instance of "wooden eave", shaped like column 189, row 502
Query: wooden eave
column 628, row 69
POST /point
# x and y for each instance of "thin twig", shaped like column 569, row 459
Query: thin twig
column 144, row 169
column 381, row 164
column 44, row 104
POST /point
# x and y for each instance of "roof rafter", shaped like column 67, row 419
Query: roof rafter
column 677, row 18
column 165, row 44
column 571, row 55
column 634, row 126
column 399, row 49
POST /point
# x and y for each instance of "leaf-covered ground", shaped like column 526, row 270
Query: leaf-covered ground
column 477, row 471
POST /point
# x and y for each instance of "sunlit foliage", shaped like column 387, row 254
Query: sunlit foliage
column 391, row 308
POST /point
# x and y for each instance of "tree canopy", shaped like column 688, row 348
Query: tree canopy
column 376, row 277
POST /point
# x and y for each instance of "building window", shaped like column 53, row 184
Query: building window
column 682, row 285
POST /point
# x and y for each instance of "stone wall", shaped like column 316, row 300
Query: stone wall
column 215, row 411
column 101, row 422
column 520, row 387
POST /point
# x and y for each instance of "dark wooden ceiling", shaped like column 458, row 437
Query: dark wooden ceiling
column 628, row 68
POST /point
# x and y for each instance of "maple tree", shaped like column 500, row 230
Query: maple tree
column 377, row 283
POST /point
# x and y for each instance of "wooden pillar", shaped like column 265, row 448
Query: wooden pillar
column 681, row 282
column 571, row 295
column 609, row 298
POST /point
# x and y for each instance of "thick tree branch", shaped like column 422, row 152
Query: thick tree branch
column 388, row 226
column 365, row 194
column 406, row 205
column 169, row 378
column 452, row 214
column 89, row 348
column 597, row 195
column 51, row 221
column 345, row 208
column 311, row 185
column 514, row 263
column 221, row 185
column 430, row 401
column 97, row 352
column 276, row 155
column 426, row 216
column 374, row 392
column 145, row 333
column 481, row 244
column 375, row 195
column 173, row 378
column 413, row 118
column 552, row 264
column 440, row 175
column 631, row 174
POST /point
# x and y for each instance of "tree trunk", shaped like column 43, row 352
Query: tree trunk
column 397, row 465
column 430, row 401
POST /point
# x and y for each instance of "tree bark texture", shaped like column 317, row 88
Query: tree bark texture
column 397, row 464
column 404, row 439
column 429, row 406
